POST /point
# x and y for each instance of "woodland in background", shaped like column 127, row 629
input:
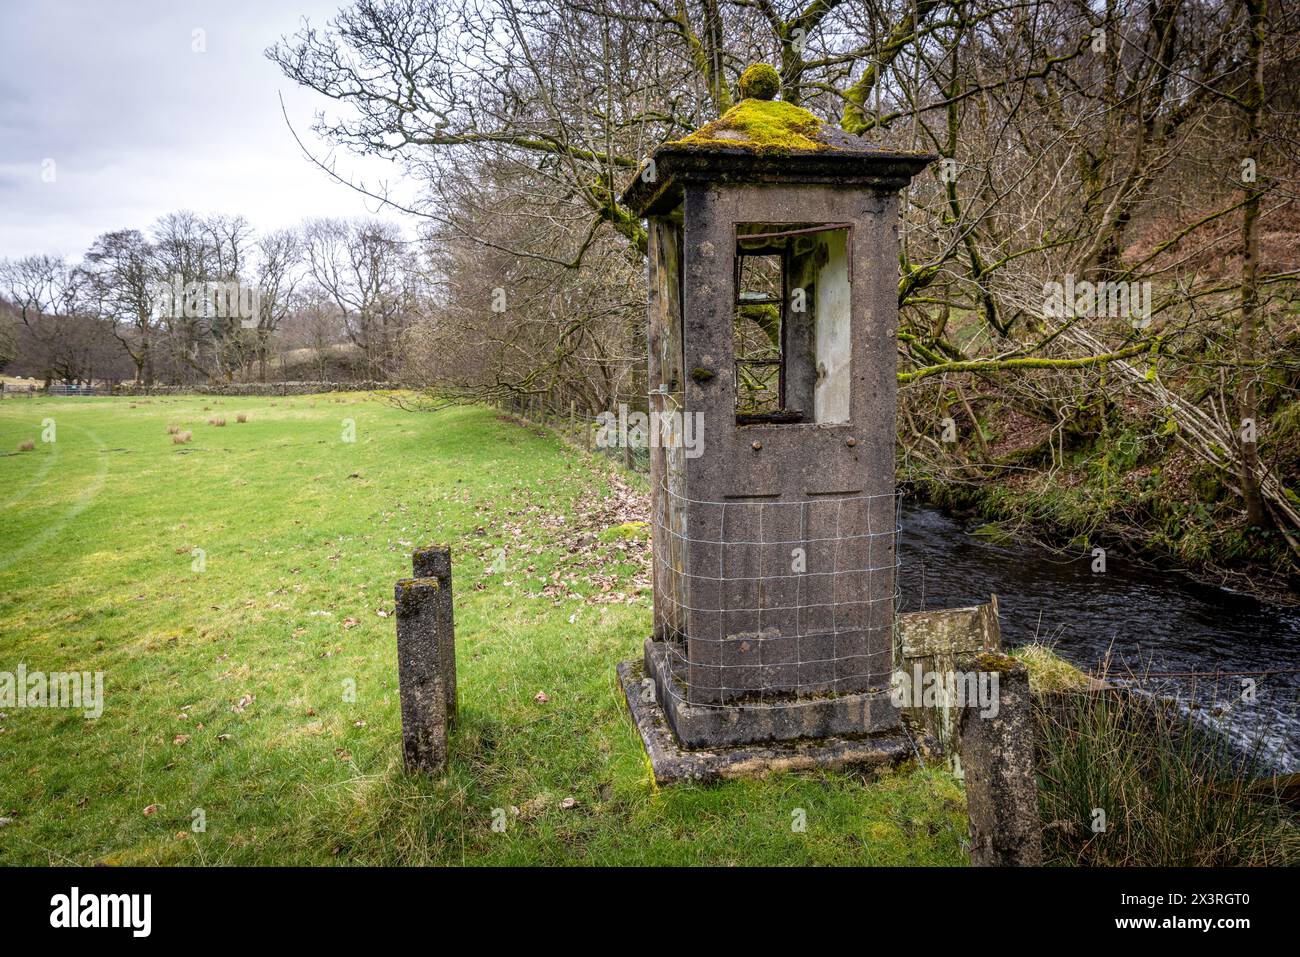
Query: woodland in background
column 333, row 300
column 1114, row 140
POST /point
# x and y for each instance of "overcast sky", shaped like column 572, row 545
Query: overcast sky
column 137, row 124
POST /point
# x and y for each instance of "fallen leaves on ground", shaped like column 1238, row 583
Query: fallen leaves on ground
column 584, row 571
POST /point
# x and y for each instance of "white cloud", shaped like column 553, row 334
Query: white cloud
column 139, row 124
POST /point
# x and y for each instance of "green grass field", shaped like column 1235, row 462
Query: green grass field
column 229, row 672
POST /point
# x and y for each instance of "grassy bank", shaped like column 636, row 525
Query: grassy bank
column 1114, row 482
column 236, row 589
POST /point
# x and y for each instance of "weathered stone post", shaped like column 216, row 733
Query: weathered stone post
column 426, row 660
column 997, row 755
column 434, row 561
column 929, row 646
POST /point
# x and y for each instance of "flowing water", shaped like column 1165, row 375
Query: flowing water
column 1145, row 619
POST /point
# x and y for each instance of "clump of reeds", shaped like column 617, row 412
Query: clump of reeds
column 1128, row 778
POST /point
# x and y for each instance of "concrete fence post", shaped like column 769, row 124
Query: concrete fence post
column 434, row 561
column 929, row 644
column 997, row 756
column 426, row 661
column 987, row 738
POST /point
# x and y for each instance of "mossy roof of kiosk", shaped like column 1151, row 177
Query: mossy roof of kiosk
column 761, row 139
column 761, row 125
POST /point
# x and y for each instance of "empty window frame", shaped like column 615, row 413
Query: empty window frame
column 792, row 323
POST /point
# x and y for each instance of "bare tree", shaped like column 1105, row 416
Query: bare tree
column 278, row 275
column 367, row 270
column 123, row 272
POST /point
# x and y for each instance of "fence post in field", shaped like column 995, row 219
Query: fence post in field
column 434, row 561
column 426, row 661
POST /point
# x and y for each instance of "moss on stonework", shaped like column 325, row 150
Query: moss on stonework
column 768, row 125
column 760, row 81
column 1048, row 671
column 995, row 661
column 406, row 584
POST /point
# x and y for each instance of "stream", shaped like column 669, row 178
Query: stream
column 1146, row 619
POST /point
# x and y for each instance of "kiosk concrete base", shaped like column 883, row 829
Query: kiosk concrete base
column 672, row 762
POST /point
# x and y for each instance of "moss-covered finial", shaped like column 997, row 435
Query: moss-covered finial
column 760, row 81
